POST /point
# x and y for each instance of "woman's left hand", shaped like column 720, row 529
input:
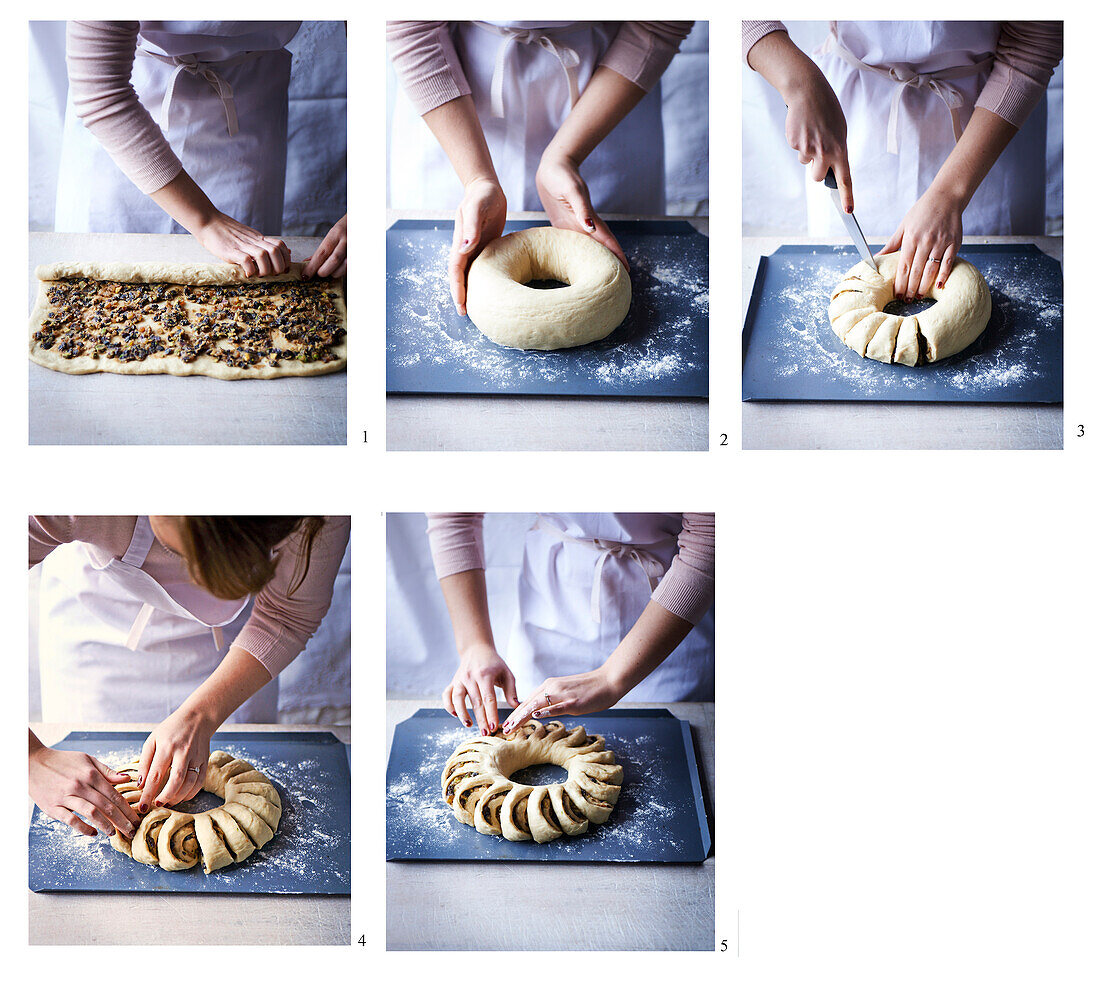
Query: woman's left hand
column 330, row 260
column 928, row 238
column 564, row 196
column 173, row 760
column 568, row 695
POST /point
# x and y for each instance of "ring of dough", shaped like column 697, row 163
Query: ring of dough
column 958, row 316
column 229, row 833
column 591, row 305
column 476, row 783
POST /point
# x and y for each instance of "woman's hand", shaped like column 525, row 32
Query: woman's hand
column 480, row 219
column 67, row 785
column 929, row 238
column 817, row 131
column 479, row 673
column 174, row 758
column 330, row 258
column 564, row 196
column 570, row 695
column 237, row 244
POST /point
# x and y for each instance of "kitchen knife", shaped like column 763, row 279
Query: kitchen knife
column 849, row 221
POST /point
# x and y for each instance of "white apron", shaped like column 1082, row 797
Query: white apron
column 525, row 77
column 218, row 91
column 115, row 645
column 907, row 89
column 586, row 579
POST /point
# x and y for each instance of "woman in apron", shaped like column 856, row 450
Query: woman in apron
column 609, row 604
column 185, row 620
column 935, row 116
column 183, row 126
column 503, row 113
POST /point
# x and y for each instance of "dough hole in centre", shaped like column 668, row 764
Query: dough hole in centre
column 545, row 283
column 540, row 773
column 200, row 803
column 908, row 309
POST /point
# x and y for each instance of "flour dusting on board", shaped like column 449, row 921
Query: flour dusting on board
column 640, row 826
column 1013, row 352
column 661, row 344
column 305, row 847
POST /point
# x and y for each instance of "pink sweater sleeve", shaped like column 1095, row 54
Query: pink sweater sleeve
column 283, row 620
column 687, row 589
column 111, row 534
column 753, row 31
column 100, row 56
column 1027, row 53
column 426, row 62
column 457, row 541
column 642, row 50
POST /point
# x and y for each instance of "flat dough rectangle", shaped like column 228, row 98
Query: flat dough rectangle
column 184, row 274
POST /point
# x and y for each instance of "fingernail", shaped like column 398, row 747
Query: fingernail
column 143, row 807
column 492, row 727
column 536, row 714
column 484, row 732
column 466, row 243
column 588, row 223
column 848, row 209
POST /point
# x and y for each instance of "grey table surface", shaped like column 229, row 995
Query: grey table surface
column 866, row 425
column 592, row 907
column 113, row 408
column 119, row 918
column 527, row 422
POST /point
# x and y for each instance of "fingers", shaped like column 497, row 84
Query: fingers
column 946, row 266
column 559, row 708
column 178, row 784
column 145, row 761
column 843, row 176
column 120, row 811
column 458, row 263
column 901, row 276
column 489, row 718
column 92, row 813
column 508, row 685
column 455, row 696
column 607, row 239
column 917, row 271
column 155, row 780
column 894, row 242
column 328, row 259
column 73, row 820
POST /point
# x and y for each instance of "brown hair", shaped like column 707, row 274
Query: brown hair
column 232, row 556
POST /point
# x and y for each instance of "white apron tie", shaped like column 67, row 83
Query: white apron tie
column 207, row 71
column 647, row 562
column 936, row 82
column 568, row 58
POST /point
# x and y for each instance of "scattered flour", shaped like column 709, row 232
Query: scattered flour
column 1012, row 352
column 642, row 826
column 659, row 339
column 306, row 850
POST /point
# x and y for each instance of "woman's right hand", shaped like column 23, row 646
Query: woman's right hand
column 816, row 129
column 67, row 785
column 480, row 219
column 479, row 673
column 226, row 238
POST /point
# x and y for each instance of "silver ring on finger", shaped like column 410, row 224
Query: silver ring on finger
column 195, row 769
column 546, row 697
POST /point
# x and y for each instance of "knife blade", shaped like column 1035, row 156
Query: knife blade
column 849, row 221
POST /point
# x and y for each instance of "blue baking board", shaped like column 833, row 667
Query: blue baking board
column 310, row 853
column 791, row 352
column 660, row 349
column 660, row 816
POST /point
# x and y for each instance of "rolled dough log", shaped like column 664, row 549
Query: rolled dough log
column 953, row 322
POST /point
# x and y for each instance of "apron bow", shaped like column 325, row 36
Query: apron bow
column 935, row 81
column 567, row 57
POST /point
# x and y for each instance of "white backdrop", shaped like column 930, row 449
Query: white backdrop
column 316, row 178
column 420, row 649
column 685, row 97
column 773, row 194
column 314, row 688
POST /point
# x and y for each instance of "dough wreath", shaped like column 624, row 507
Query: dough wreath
column 589, row 308
column 958, row 316
column 52, row 280
column 476, row 783
column 177, row 840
